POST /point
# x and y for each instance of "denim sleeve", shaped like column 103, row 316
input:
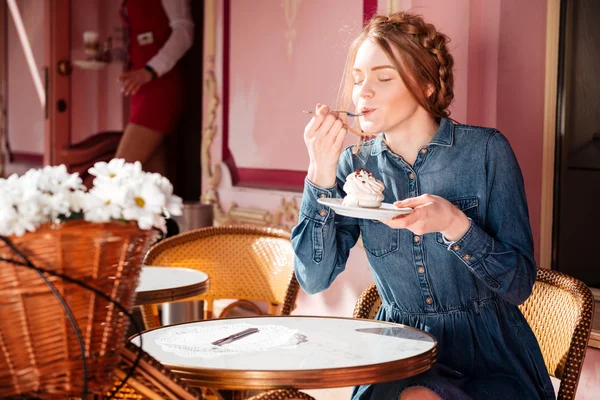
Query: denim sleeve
column 322, row 240
column 502, row 254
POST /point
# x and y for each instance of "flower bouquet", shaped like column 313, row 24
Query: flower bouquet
column 70, row 259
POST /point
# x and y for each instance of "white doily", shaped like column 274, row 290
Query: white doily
column 196, row 341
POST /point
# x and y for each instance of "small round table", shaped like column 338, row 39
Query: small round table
column 319, row 352
column 166, row 284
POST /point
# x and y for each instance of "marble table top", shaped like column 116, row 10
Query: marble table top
column 291, row 351
column 165, row 284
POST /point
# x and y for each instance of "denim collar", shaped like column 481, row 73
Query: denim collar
column 443, row 137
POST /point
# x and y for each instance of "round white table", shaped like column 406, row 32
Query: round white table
column 166, row 284
column 301, row 352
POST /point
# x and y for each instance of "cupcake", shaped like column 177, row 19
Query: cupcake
column 363, row 190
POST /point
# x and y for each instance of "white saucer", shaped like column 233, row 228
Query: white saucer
column 89, row 64
column 385, row 212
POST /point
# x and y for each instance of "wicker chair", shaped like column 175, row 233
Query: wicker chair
column 246, row 263
column 153, row 381
column 556, row 297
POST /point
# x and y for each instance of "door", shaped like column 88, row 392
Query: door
column 577, row 216
column 86, row 111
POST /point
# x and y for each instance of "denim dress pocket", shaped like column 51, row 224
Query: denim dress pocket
column 378, row 238
column 468, row 205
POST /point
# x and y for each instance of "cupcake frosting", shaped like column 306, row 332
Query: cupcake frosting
column 363, row 189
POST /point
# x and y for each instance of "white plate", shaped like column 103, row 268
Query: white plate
column 89, row 64
column 385, row 212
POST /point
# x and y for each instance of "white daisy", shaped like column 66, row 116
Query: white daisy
column 143, row 202
column 116, row 170
column 103, row 203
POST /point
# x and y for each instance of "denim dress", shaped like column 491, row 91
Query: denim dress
column 465, row 293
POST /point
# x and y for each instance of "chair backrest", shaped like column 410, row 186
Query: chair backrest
column 559, row 311
column 248, row 263
column 368, row 303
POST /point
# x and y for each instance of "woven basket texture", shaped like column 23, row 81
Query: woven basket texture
column 39, row 351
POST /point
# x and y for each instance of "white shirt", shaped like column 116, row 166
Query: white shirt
column 181, row 39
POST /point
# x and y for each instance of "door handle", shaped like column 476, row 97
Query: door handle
column 61, row 105
column 64, row 67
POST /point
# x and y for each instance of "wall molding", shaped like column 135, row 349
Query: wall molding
column 286, row 215
column 549, row 134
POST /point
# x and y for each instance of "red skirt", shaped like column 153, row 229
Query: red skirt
column 158, row 105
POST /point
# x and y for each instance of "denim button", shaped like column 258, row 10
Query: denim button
column 424, row 151
column 411, row 176
column 467, row 257
column 322, row 195
column 323, row 213
column 456, row 247
column 417, row 239
column 428, row 300
column 420, row 270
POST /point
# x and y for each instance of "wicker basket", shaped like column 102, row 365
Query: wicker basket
column 39, row 351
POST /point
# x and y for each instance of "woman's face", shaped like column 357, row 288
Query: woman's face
column 379, row 92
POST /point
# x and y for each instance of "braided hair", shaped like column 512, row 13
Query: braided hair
column 418, row 51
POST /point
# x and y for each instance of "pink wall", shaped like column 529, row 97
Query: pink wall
column 449, row 18
column 25, row 115
column 520, row 86
column 278, row 69
column 482, row 93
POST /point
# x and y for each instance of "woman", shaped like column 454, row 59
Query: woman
column 160, row 32
column 462, row 261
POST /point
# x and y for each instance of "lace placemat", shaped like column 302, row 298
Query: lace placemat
column 196, row 341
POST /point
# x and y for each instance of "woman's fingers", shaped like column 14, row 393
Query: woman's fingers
column 337, row 126
column 339, row 138
column 413, row 221
column 136, row 86
column 413, row 202
column 314, row 123
column 325, row 127
column 130, row 87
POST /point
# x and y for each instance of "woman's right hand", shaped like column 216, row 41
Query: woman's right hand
column 324, row 137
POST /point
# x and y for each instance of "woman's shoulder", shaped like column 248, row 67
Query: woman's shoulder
column 490, row 140
column 474, row 130
column 474, row 133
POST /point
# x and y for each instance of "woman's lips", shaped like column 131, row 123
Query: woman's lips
column 366, row 111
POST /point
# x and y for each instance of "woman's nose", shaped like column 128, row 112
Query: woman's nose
column 366, row 92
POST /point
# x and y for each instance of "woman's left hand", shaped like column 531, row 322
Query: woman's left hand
column 431, row 214
column 132, row 81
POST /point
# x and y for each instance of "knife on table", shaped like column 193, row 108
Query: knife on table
column 235, row 336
